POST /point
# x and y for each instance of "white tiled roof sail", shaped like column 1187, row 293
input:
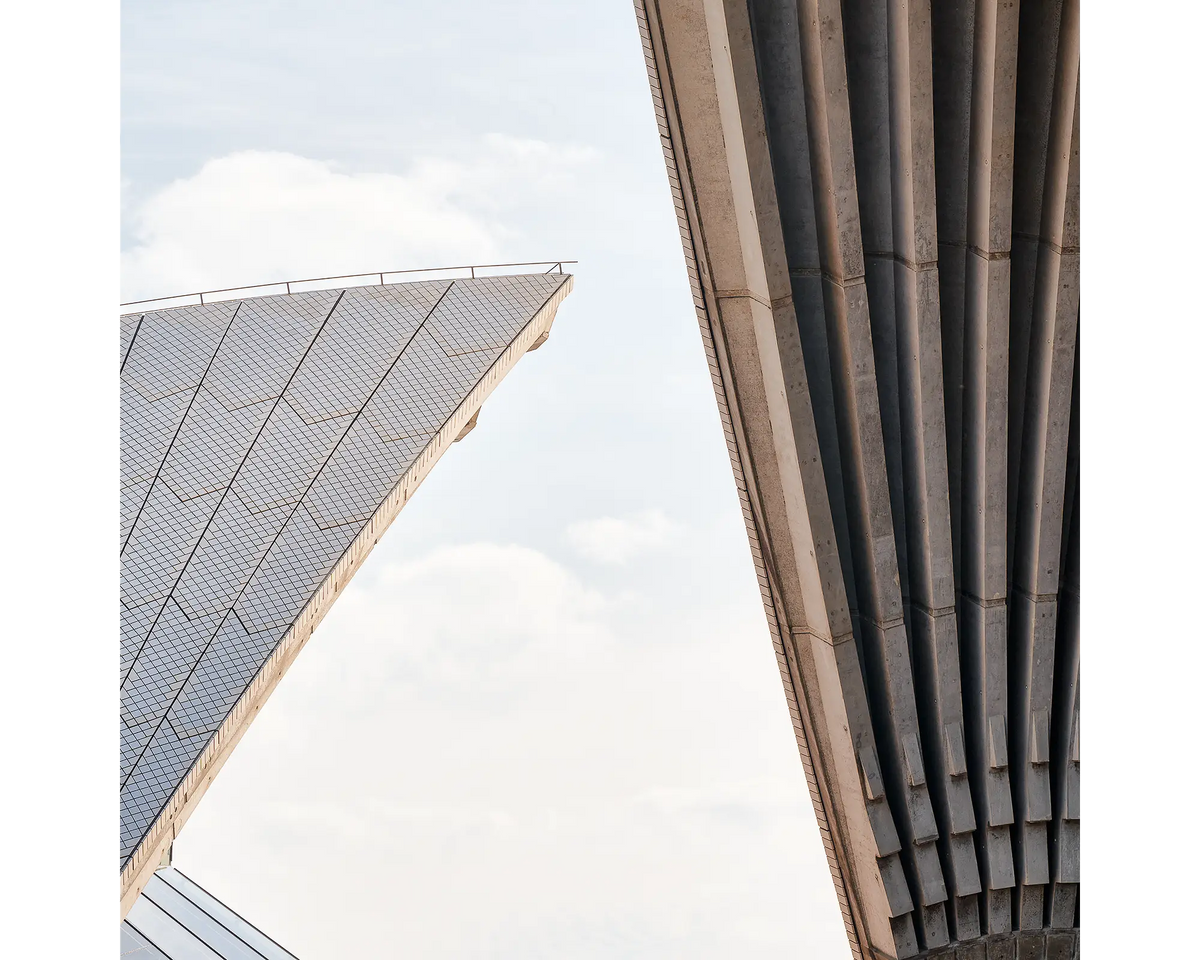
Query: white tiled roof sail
column 259, row 438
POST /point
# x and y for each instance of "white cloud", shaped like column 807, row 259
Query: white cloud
column 485, row 617
column 616, row 540
column 507, row 172
column 257, row 217
column 476, row 725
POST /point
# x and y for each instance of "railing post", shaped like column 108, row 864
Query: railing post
column 472, row 273
column 289, row 287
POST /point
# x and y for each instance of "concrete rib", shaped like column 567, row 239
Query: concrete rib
column 856, row 182
column 1042, row 474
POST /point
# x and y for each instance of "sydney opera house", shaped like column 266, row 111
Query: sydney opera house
column 878, row 203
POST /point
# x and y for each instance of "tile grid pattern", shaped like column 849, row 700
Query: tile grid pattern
column 304, row 414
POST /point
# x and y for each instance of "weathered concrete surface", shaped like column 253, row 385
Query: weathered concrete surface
column 878, row 201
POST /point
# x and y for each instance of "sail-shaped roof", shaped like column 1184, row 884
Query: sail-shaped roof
column 266, row 445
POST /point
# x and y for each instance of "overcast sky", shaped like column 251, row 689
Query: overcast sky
column 545, row 720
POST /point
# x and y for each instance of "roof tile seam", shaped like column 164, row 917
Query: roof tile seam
column 284, row 526
column 179, row 426
column 188, row 791
column 244, row 458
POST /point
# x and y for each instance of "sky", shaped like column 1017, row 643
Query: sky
column 545, row 719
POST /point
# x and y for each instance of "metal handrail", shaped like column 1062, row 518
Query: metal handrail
column 551, row 265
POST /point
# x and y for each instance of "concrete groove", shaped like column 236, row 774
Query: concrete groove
column 878, row 203
column 1040, row 479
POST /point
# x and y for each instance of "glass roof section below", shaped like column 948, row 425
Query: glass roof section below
column 177, row 919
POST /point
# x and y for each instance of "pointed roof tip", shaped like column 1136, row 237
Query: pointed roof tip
column 320, row 412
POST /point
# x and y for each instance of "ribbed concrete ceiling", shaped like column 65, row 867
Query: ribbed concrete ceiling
column 879, row 207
